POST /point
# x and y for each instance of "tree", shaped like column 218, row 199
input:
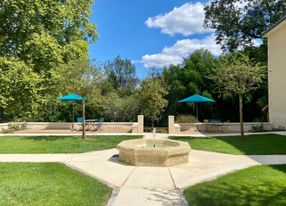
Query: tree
column 25, row 21
column 238, row 23
column 41, row 36
column 188, row 78
column 152, row 98
column 78, row 76
column 121, row 73
column 119, row 109
column 238, row 75
column 20, row 89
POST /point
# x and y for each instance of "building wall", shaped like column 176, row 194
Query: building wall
column 277, row 76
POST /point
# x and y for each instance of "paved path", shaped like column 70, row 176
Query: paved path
column 135, row 186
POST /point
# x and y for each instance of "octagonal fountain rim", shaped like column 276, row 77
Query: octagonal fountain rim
column 141, row 152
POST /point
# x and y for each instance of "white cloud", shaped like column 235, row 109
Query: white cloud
column 187, row 19
column 180, row 50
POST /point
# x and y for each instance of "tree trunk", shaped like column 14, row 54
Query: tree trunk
column 92, row 111
column 241, row 116
column 83, row 118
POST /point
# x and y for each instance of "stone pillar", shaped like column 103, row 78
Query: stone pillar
column 171, row 124
column 140, row 123
column 172, row 127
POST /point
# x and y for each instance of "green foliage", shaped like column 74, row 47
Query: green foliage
column 20, row 89
column 186, row 118
column 237, row 74
column 14, row 126
column 119, row 109
column 64, row 21
column 121, row 73
column 237, row 23
column 152, row 98
column 38, row 39
column 189, row 78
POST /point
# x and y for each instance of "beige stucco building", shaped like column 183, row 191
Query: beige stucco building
column 277, row 74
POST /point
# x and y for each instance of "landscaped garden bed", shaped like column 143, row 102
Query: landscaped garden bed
column 259, row 185
column 58, row 144
column 48, row 184
column 261, row 144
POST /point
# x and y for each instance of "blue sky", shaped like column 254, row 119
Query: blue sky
column 149, row 32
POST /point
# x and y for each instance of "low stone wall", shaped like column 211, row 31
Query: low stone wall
column 3, row 126
column 116, row 127
column 225, row 127
column 106, row 127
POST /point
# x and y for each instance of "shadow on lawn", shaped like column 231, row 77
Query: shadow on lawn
column 236, row 192
column 50, row 138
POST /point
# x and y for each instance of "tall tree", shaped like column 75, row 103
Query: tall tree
column 238, row 75
column 44, row 35
column 78, row 76
column 121, row 73
column 238, row 23
column 43, row 31
column 152, row 98
column 20, row 89
column 188, row 78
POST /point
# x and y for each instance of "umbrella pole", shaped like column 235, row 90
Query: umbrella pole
column 72, row 117
column 197, row 114
column 83, row 118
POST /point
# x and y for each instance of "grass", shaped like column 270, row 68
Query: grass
column 255, row 186
column 250, row 145
column 48, row 184
column 56, row 144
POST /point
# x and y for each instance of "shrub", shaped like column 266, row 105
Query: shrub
column 14, row 126
column 182, row 118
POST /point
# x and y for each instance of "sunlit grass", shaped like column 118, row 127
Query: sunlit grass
column 48, row 184
column 58, row 144
column 252, row 144
column 257, row 186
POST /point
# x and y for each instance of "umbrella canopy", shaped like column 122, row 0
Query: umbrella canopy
column 196, row 98
column 71, row 98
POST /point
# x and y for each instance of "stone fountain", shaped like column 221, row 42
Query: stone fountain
column 148, row 152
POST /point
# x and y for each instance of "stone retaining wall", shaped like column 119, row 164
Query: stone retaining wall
column 106, row 127
column 225, row 127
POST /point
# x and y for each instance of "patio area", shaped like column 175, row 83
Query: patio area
column 149, row 185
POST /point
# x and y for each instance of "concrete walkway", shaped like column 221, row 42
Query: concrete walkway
column 152, row 186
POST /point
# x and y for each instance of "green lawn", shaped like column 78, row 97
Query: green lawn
column 256, row 186
column 54, row 144
column 48, row 184
column 252, row 144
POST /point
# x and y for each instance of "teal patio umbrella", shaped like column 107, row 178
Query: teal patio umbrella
column 196, row 99
column 71, row 98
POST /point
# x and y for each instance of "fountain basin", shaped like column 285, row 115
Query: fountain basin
column 141, row 152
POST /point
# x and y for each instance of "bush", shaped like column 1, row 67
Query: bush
column 182, row 118
column 14, row 126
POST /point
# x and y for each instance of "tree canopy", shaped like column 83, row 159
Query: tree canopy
column 237, row 74
column 238, row 23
